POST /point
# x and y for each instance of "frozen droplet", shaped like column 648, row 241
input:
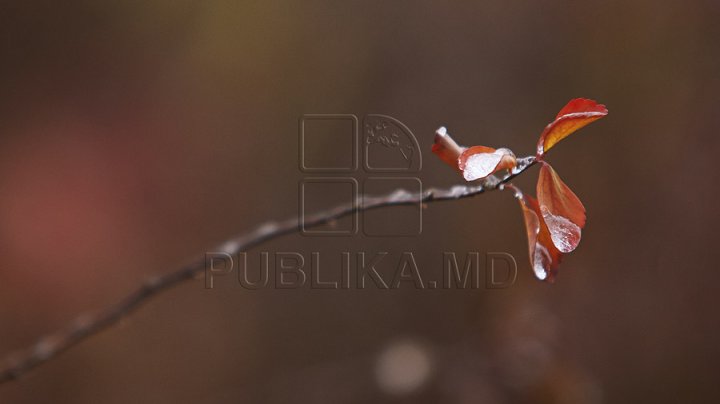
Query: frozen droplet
column 481, row 165
column 541, row 262
column 564, row 233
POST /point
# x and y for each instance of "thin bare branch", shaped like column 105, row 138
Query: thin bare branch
column 51, row 346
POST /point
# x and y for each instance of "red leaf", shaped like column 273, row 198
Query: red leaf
column 446, row 148
column 544, row 256
column 479, row 161
column 561, row 210
column 576, row 114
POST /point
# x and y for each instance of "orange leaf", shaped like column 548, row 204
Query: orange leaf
column 544, row 256
column 576, row 114
column 446, row 148
column 561, row 209
column 479, row 161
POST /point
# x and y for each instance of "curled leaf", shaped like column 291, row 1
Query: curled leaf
column 446, row 148
column 576, row 114
column 544, row 256
column 479, row 161
column 561, row 210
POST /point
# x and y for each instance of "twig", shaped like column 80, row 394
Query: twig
column 85, row 326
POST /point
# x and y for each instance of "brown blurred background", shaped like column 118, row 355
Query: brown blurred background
column 137, row 134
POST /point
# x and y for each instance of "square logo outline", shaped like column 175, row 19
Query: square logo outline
column 328, row 117
column 419, row 205
column 354, row 206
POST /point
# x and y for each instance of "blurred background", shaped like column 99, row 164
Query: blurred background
column 137, row 134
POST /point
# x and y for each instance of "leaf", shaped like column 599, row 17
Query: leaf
column 561, row 209
column 446, row 148
column 576, row 114
column 544, row 256
column 479, row 161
